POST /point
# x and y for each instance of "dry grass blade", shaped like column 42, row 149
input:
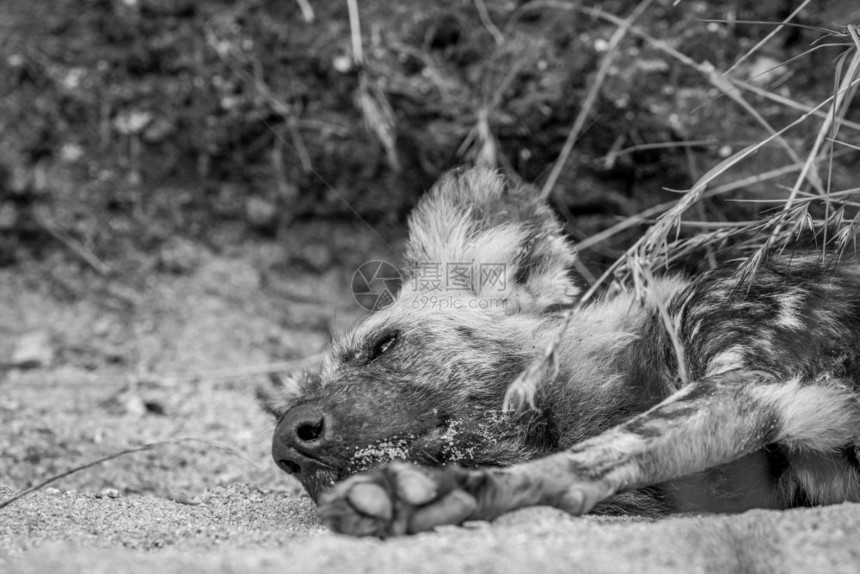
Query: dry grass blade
column 369, row 98
column 379, row 117
column 309, row 362
column 479, row 146
column 727, row 88
column 656, row 236
column 278, row 105
column 591, row 97
column 73, row 244
column 307, row 11
column 846, row 144
column 281, row 108
column 670, row 326
column 848, row 234
column 767, row 38
column 98, row 461
column 654, row 243
column 724, row 85
column 614, row 154
column 770, row 95
column 718, row 81
column 487, row 155
column 837, row 110
column 484, row 15
column 654, row 246
column 645, row 215
column 355, row 33
column 686, row 247
column 821, row 29
column 299, row 145
column 523, row 389
column 789, row 103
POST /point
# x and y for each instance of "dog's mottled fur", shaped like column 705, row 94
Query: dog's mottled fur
column 769, row 416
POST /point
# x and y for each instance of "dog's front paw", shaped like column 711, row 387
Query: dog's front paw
column 399, row 498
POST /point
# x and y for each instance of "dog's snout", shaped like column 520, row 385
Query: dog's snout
column 300, row 439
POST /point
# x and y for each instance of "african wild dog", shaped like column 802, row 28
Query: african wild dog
column 769, row 418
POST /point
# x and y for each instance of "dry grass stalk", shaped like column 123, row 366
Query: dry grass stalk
column 484, row 15
column 307, row 10
column 369, row 97
column 75, row 246
column 832, row 120
column 777, row 29
column 487, row 155
column 355, row 33
column 523, row 388
column 654, row 247
column 242, row 372
column 115, row 455
column 591, row 97
column 378, row 117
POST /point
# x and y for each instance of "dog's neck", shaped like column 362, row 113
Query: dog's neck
column 601, row 348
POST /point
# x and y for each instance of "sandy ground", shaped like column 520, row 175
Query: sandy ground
column 127, row 366
column 245, row 529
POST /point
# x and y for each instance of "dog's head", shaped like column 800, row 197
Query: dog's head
column 423, row 379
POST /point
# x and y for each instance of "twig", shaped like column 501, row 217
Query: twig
column 668, row 324
column 355, row 33
column 524, row 387
column 487, row 152
column 655, row 237
column 584, row 271
column 278, row 106
column 245, row 371
column 484, row 15
column 299, row 144
column 837, row 98
column 282, row 109
column 378, row 116
column 149, row 446
column 718, row 81
column 846, row 144
column 307, row 10
column 789, row 103
column 74, row 245
column 724, row 85
column 645, row 215
column 370, row 99
column 590, row 98
column 772, row 33
column 615, row 153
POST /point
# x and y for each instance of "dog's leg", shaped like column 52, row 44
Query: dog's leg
column 707, row 423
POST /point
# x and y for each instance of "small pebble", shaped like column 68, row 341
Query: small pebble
column 183, row 498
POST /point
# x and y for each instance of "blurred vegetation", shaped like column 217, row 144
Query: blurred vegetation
column 130, row 123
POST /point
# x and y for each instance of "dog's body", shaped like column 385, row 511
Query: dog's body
column 757, row 408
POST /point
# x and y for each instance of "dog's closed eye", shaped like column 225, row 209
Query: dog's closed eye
column 381, row 345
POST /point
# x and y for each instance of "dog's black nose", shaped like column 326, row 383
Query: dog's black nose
column 299, row 440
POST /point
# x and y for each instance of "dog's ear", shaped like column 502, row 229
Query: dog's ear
column 492, row 239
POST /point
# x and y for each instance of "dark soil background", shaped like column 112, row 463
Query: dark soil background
column 186, row 188
column 144, row 129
